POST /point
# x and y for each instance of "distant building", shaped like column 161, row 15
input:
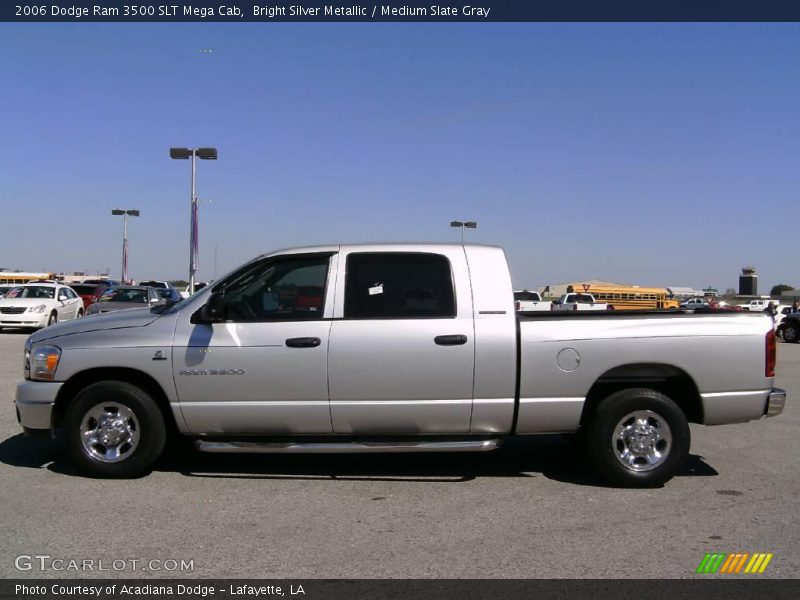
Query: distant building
column 790, row 296
column 748, row 282
column 682, row 293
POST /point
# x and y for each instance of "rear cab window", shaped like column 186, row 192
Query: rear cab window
column 398, row 285
column 527, row 296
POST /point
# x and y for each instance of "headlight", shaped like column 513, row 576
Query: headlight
column 38, row 309
column 42, row 362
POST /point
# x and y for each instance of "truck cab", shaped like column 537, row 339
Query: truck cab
column 579, row 301
column 526, row 301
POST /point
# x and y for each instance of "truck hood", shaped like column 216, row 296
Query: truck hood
column 122, row 319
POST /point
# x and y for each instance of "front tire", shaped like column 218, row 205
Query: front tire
column 113, row 429
column 53, row 319
column 791, row 334
column 638, row 438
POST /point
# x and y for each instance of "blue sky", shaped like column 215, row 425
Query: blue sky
column 654, row 154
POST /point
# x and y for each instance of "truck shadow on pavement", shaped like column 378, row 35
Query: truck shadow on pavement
column 551, row 457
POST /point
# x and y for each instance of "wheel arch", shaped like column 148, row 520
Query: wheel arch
column 133, row 376
column 670, row 380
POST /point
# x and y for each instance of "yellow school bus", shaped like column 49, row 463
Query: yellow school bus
column 630, row 297
column 20, row 278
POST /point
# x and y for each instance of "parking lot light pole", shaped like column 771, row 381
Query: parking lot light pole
column 464, row 225
column 194, row 154
column 125, row 214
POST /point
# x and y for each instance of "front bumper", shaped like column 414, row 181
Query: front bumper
column 35, row 401
column 25, row 319
column 775, row 402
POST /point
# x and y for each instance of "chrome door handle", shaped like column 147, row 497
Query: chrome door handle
column 303, row 342
column 450, row 340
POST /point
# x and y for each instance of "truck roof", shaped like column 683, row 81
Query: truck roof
column 377, row 247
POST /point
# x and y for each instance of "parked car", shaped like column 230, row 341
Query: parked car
column 156, row 284
column 197, row 287
column 169, row 294
column 106, row 282
column 89, row 292
column 124, row 297
column 525, row 301
column 781, row 310
column 373, row 370
column 722, row 305
column 756, row 305
column 38, row 305
column 692, row 303
column 789, row 328
column 579, row 302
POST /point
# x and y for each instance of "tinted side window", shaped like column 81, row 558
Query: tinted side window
column 398, row 286
column 285, row 288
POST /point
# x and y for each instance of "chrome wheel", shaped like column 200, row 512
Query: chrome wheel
column 641, row 440
column 109, row 432
column 789, row 333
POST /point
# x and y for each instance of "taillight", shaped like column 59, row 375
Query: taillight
column 772, row 348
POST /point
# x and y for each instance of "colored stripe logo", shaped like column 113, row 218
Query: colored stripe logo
column 736, row 563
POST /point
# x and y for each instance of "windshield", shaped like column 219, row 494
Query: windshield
column 32, row 291
column 125, row 295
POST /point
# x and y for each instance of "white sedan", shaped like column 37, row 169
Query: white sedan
column 38, row 305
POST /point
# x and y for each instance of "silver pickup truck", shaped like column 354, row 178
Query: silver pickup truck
column 390, row 348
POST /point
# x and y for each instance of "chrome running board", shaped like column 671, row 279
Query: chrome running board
column 345, row 447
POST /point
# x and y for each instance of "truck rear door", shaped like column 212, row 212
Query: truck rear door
column 402, row 348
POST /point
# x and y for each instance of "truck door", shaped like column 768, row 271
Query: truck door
column 402, row 345
column 264, row 368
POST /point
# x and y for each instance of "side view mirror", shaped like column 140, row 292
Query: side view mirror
column 213, row 311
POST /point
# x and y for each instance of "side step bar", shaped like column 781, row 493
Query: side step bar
column 345, row 447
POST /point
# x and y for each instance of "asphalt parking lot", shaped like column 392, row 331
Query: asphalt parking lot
column 529, row 510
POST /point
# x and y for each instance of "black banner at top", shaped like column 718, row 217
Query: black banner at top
column 243, row 11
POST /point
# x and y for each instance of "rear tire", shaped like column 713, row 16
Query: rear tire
column 638, row 437
column 113, row 429
column 791, row 334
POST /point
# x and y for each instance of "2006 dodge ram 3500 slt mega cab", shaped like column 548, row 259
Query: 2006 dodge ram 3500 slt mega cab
column 390, row 348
